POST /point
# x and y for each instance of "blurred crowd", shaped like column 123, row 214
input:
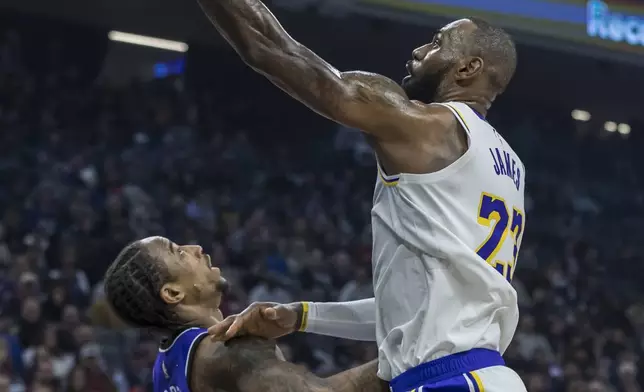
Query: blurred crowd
column 281, row 201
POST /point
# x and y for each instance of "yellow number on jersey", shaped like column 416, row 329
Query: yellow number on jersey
column 493, row 213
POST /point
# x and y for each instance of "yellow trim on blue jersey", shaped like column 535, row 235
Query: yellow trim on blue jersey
column 478, row 381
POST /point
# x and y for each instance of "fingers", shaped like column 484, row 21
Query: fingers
column 235, row 328
column 251, row 317
column 270, row 313
column 219, row 330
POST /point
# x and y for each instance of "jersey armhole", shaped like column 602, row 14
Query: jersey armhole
column 191, row 355
column 461, row 120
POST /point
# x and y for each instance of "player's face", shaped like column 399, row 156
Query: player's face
column 431, row 67
column 200, row 282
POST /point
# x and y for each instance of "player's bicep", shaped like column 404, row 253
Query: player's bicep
column 370, row 102
column 378, row 106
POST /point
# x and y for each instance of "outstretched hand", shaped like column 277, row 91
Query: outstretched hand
column 264, row 319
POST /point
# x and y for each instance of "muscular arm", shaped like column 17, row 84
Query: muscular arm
column 370, row 102
column 360, row 379
column 251, row 365
column 355, row 320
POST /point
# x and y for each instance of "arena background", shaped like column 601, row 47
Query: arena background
column 104, row 142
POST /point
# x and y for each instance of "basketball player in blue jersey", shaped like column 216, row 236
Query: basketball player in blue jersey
column 154, row 283
column 448, row 207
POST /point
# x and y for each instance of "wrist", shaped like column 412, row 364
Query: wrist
column 302, row 311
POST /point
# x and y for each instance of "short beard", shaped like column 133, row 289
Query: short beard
column 426, row 88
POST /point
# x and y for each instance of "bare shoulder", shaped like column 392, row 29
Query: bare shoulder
column 429, row 138
column 248, row 364
column 219, row 366
column 387, row 113
column 374, row 80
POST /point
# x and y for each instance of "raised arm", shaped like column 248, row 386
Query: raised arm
column 251, row 365
column 370, row 102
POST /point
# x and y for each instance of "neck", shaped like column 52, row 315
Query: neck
column 210, row 318
column 202, row 317
column 478, row 102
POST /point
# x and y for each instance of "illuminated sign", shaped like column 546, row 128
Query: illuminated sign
column 613, row 26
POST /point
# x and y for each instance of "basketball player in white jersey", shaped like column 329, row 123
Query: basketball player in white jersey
column 448, row 210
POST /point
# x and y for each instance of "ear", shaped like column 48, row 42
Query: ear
column 469, row 68
column 172, row 293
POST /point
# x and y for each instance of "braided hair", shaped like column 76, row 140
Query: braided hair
column 132, row 286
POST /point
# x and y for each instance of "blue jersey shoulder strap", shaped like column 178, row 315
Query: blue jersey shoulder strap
column 171, row 371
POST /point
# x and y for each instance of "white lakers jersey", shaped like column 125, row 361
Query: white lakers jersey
column 445, row 247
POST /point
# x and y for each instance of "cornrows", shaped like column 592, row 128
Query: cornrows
column 132, row 286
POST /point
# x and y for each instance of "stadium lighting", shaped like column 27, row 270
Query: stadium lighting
column 143, row 40
column 580, row 115
column 610, row 126
column 624, row 129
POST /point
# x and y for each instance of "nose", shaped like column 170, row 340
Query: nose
column 416, row 54
column 419, row 53
column 196, row 250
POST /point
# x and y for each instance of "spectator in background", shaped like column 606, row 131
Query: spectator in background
column 57, row 300
column 359, row 288
column 270, row 289
column 92, row 363
column 77, row 380
column 76, row 282
column 31, row 323
column 530, row 343
column 10, row 376
column 62, row 362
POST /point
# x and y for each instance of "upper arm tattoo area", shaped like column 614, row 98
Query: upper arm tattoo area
column 249, row 365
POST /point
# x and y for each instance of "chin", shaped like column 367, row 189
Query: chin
column 420, row 90
column 407, row 85
column 416, row 92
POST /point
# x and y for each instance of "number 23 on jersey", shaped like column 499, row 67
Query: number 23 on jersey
column 495, row 214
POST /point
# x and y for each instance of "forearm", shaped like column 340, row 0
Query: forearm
column 257, row 36
column 355, row 320
column 247, row 25
column 360, row 379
